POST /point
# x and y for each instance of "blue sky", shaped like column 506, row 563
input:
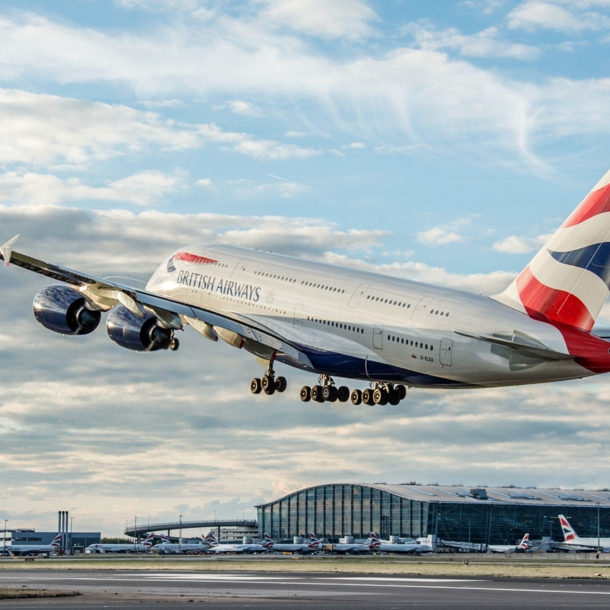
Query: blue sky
column 438, row 141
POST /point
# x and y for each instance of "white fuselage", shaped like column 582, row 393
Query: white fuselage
column 173, row 548
column 361, row 325
column 116, row 548
column 30, row 549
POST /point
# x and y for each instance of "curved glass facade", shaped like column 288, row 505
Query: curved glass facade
column 333, row 511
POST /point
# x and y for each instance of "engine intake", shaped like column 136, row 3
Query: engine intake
column 137, row 333
column 64, row 310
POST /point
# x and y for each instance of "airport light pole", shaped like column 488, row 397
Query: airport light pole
column 598, row 545
column 180, row 538
column 71, row 529
column 135, row 534
column 5, row 522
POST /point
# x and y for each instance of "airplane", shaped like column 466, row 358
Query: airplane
column 295, row 547
column 352, row 548
column 385, row 546
column 165, row 547
column 525, row 546
column 34, row 549
column 572, row 541
column 333, row 321
column 102, row 547
column 246, row 547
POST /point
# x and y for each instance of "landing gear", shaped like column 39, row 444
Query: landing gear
column 174, row 344
column 325, row 391
column 356, row 397
column 268, row 383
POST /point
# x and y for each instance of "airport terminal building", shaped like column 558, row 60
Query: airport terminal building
column 498, row 515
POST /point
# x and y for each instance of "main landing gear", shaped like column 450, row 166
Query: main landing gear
column 268, row 384
column 325, row 391
column 379, row 394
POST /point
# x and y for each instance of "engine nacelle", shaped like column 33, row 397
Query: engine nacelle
column 137, row 333
column 64, row 310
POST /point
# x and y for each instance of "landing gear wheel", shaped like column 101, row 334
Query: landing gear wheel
column 280, row 384
column 316, row 393
column 255, row 386
column 367, row 397
column 174, row 344
column 268, row 385
column 329, row 393
column 394, row 398
column 356, row 397
column 305, row 393
column 378, row 396
column 343, row 394
column 402, row 391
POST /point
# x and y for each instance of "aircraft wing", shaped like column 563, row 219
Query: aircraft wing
column 107, row 294
column 523, row 348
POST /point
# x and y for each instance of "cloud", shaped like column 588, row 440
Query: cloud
column 354, row 146
column 285, row 189
column 41, row 129
column 520, row 245
column 486, row 43
column 205, row 182
column 349, row 19
column 144, row 188
column 243, row 108
column 438, row 236
column 531, row 16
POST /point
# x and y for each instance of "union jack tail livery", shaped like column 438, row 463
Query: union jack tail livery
column 268, row 541
column 525, row 544
column 56, row 541
column 568, row 531
column 164, row 539
column 210, row 538
column 149, row 540
column 568, row 281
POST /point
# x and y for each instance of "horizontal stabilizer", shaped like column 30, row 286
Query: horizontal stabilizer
column 523, row 348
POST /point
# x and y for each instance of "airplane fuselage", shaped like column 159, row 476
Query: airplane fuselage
column 372, row 327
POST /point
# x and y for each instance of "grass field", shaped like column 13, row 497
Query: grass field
column 542, row 566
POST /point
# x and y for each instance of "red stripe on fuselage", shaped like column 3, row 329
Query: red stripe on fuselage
column 549, row 304
column 594, row 203
column 193, row 258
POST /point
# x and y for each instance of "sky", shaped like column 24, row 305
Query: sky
column 441, row 142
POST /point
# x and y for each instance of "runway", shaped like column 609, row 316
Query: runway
column 160, row 590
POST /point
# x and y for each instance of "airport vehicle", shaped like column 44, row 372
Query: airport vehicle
column 302, row 548
column 385, row 546
column 102, row 547
column 363, row 326
column 524, row 546
column 35, row 549
column 245, row 547
column 572, row 541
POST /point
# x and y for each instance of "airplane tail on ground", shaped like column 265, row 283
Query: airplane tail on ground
column 568, row 281
column 568, row 531
column 525, row 544
column 149, row 540
column 268, row 542
column 57, row 541
column 210, row 538
column 164, row 539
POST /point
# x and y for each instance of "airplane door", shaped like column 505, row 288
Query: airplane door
column 378, row 336
column 446, row 350
column 355, row 300
column 422, row 307
column 298, row 315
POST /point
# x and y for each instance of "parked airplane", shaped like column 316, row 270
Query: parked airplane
column 385, row 546
column 103, row 547
column 34, row 549
column 245, row 547
column 165, row 547
column 351, row 548
column 303, row 548
column 572, row 541
column 523, row 547
column 342, row 322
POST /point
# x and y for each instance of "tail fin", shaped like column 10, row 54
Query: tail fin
column 568, row 281
column 525, row 543
column 568, row 531
column 314, row 538
column 164, row 539
column 373, row 536
column 210, row 538
column 149, row 540
column 57, row 541
column 268, row 541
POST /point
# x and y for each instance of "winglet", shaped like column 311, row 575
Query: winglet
column 7, row 249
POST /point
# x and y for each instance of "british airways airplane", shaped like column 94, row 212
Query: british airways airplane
column 337, row 322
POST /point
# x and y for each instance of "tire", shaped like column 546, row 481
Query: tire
column 402, row 391
column 378, row 396
column 316, row 393
column 385, row 398
column 268, row 385
column 356, row 397
column 305, row 393
column 255, row 386
column 329, row 393
column 394, row 398
column 281, row 384
column 367, row 397
column 174, row 344
column 343, row 394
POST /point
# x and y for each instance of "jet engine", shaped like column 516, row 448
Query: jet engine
column 64, row 310
column 141, row 334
